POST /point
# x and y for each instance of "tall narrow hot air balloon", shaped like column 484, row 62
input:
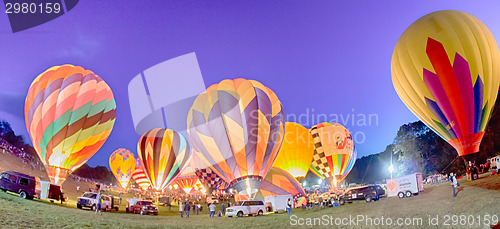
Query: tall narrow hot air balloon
column 140, row 177
column 163, row 153
column 445, row 68
column 296, row 152
column 237, row 126
column 69, row 113
column 122, row 164
column 334, row 151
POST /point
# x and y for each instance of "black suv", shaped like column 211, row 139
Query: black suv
column 367, row 193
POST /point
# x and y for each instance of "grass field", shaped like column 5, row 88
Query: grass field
column 479, row 198
column 435, row 201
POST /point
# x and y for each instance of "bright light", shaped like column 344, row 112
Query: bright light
column 391, row 168
column 304, row 184
column 320, row 181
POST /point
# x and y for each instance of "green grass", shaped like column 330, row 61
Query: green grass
column 478, row 197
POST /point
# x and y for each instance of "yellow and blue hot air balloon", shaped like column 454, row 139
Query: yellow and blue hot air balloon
column 122, row 164
column 445, row 68
column 237, row 126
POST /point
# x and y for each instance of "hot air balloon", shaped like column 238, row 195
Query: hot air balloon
column 163, row 153
column 237, row 126
column 187, row 183
column 445, row 68
column 69, row 113
column 140, row 177
column 223, row 187
column 333, row 153
column 122, row 164
column 296, row 152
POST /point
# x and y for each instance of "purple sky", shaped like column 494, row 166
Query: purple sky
column 330, row 56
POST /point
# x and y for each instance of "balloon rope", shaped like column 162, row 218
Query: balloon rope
column 363, row 180
column 450, row 164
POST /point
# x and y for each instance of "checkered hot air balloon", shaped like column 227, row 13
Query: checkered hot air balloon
column 446, row 69
column 163, row 153
column 122, row 164
column 69, row 113
column 237, row 126
column 140, row 177
column 334, row 154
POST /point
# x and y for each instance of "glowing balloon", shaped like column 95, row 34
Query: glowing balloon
column 163, row 153
column 445, row 68
column 237, row 126
column 187, row 183
column 122, row 164
column 140, row 177
column 334, row 151
column 296, row 152
column 69, row 113
column 207, row 176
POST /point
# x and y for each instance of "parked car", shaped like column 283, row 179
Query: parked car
column 89, row 200
column 367, row 193
column 115, row 202
column 246, row 207
column 145, row 207
column 20, row 183
column 380, row 191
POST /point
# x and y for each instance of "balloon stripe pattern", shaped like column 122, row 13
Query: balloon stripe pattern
column 333, row 151
column 140, row 177
column 296, row 152
column 238, row 127
column 69, row 113
column 445, row 68
column 163, row 154
column 122, row 164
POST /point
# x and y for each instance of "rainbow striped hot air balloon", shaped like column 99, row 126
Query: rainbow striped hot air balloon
column 334, row 153
column 445, row 68
column 69, row 113
column 140, row 177
column 163, row 153
column 122, row 164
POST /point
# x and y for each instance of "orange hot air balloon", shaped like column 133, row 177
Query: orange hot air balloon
column 69, row 113
column 122, row 164
column 446, row 69
column 296, row 152
column 187, row 183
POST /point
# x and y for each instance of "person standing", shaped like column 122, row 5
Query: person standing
column 454, row 183
column 212, row 210
column 77, row 189
column 98, row 205
column 289, row 206
column 198, row 208
column 223, row 209
column 187, row 207
column 181, row 209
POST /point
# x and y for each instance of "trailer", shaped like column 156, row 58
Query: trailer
column 277, row 203
column 405, row 186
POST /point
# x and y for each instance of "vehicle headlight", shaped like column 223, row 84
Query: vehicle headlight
column 145, row 207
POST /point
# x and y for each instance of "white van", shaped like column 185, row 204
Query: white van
column 246, row 207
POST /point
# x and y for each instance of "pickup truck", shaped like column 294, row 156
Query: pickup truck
column 89, row 200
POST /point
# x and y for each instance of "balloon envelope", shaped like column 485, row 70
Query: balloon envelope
column 187, row 183
column 445, row 68
column 333, row 152
column 69, row 113
column 140, row 177
column 296, row 152
column 163, row 153
column 122, row 164
column 237, row 126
